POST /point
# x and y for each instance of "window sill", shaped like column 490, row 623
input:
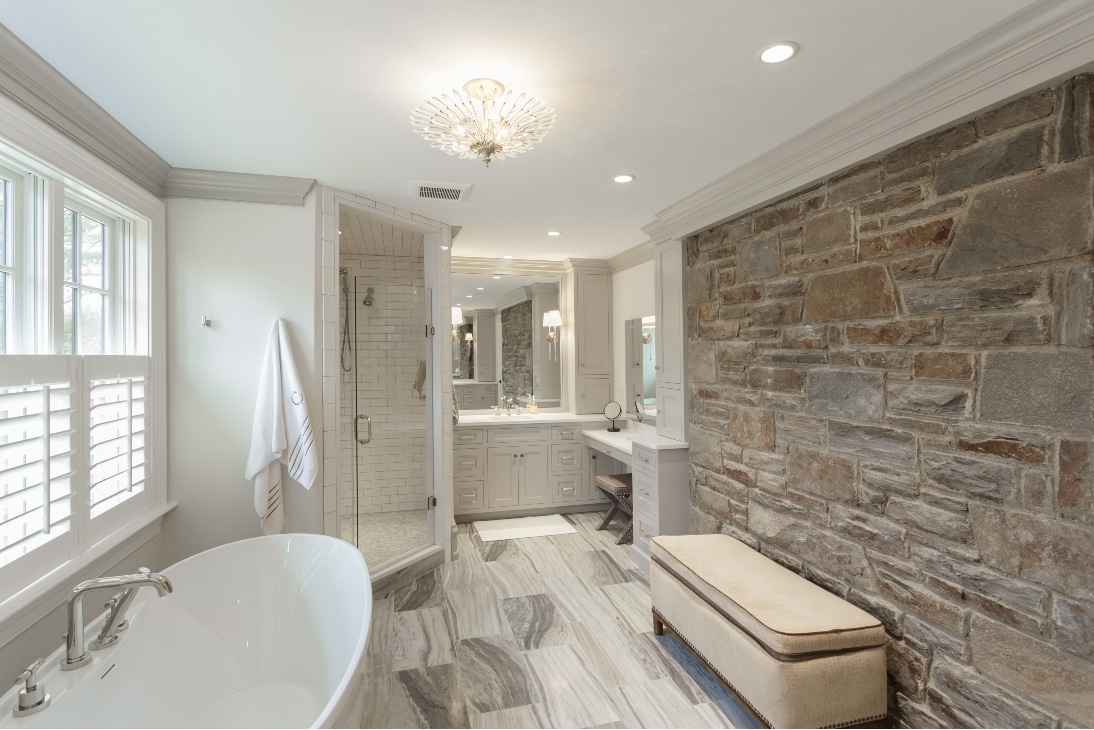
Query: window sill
column 35, row 601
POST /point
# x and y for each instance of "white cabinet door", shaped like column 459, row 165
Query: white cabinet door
column 593, row 393
column 534, row 490
column 502, row 477
column 594, row 311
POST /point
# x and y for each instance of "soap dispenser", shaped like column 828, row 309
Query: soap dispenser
column 533, row 407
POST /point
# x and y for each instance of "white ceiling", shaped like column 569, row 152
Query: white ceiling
column 465, row 288
column 361, row 235
column 669, row 90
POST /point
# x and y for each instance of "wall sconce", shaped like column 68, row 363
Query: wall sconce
column 469, row 337
column 552, row 320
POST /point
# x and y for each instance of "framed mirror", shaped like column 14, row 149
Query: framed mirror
column 510, row 346
column 641, row 375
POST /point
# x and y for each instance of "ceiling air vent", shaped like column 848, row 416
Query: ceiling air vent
column 425, row 190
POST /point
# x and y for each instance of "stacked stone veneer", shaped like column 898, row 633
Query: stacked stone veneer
column 892, row 392
column 516, row 349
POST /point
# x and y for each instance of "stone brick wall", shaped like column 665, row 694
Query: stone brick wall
column 892, row 386
column 516, row 349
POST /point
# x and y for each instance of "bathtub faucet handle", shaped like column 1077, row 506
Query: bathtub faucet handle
column 33, row 697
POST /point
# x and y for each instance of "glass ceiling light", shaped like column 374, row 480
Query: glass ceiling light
column 779, row 52
column 483, row 121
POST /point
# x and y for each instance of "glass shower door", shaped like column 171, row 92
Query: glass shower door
column 391, row 420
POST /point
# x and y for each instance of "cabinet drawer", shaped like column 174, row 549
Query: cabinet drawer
column 468, row 495
column 466, row 436
column 644, row 529
column 566, row 458
column 468, row 462
column 566, row 488
column 644, row 492
column 504, row 434
column 565, row 433
column 644, row 458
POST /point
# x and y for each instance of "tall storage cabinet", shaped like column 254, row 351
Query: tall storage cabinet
column 588, row 288
column 671, row 343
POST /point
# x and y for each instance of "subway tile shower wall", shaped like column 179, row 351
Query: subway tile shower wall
column 387, row 343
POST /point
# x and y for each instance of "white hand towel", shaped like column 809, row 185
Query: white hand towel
column 281, row 417
column 419, row 379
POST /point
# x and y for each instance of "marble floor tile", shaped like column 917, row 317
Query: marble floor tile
column 381, row 635
column 631, row 602
column 425, row 591
column 474, row 612
column 656, row 704
column 421, row 639
column 599, row 568
column 494, row 674
column 715, row 692
column 580, row 602
column 658, row 664
column 428, row 697
column 571, row 543
column 526, row 716
column 463, row 573
column 499, row 550
column 377, row 701
column 515, row 577
column 572, row 697
column 603, row 649
column 536, row 621
column 549, row 562
column 715, row 718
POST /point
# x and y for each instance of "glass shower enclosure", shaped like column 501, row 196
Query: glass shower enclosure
column 385, row 490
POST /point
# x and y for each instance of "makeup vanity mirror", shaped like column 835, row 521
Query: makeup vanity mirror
column 505, row 341
column 641, row 376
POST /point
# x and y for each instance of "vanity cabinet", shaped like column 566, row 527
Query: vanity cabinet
column 475, row 396
column 523, row 466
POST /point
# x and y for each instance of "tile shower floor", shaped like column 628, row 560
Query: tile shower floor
column 538, row 632
column 387, row 535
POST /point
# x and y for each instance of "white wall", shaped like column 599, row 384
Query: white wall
column 632, row 296
column 242, row 265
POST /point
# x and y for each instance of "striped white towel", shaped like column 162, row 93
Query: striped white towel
column 281, row 418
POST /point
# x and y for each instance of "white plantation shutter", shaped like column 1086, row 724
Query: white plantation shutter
column 39, row 419
column 117, row 430
column 74, row 436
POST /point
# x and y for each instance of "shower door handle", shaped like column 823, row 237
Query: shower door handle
column 356, row 433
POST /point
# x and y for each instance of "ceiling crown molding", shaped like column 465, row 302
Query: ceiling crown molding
column 587, row 266
column 239, row 186
column 513, row 298
column 1042, row 45
column 27, row 79
column 639, row 254
column 512, row 267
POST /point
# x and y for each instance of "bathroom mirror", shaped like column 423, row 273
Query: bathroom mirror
column 510, row 346
column 641, row 375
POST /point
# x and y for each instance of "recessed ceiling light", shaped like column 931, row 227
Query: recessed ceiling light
column 507, row 257
column 497, row 277
column 623, row 178
column 554, row 233
column 779, row 52
column 481, row 288
column 468, row 296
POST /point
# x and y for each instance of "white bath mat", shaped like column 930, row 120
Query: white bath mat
column 518, row 527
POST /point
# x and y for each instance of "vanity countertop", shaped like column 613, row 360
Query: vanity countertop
column 635, row 433
column 541, row 417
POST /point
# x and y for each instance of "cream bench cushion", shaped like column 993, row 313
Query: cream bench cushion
column 779, row 608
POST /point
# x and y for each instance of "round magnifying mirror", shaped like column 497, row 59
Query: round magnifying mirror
column 613, row 411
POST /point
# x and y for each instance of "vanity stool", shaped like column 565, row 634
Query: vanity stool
column 617, row 488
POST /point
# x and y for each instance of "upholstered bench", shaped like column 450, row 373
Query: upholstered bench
column 795, row 654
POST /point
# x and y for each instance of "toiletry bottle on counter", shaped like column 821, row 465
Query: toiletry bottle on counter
column 533, row 407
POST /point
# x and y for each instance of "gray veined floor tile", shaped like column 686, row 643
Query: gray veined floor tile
column 549, row 562
column 512, row 578
column 715, row 691
column 571, row 543
column 494, row 674
column 660, row 665
column 428, row 697
column 496, row 550
column 377, row 700
column 526, row 716
column 474, row 612
column 380, row 634
column 631, row 602
column 603, row 649
column 715, row 718
column 463, row 573
column 572, row 697
column 578, row 601
column 536, row 621
column 656, row 704
column 599, row 568
column 421, row 639
column 425, row 591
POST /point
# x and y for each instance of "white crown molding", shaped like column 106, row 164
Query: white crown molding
column 27, row 79
column 587, row 266
column 512, row 267
column 639, row 254
column 1042, row 45
column 239, row 186
column 513, row 298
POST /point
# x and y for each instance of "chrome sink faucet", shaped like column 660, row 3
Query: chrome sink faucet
column 75, row 653
column 508, row 405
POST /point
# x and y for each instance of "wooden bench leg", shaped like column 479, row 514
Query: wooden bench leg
column 611, row 513
column 658, row 625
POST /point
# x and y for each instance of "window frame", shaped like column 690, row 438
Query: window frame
column 114, row 274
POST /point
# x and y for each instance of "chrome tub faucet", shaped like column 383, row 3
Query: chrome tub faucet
column 75, row 653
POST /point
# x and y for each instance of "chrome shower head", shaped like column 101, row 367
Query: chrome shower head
column 368, row 296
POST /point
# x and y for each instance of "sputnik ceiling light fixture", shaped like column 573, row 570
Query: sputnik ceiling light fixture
column 483, row 121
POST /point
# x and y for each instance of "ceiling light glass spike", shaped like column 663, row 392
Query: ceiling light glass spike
column 483, row 121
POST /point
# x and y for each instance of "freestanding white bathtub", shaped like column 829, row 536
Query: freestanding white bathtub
column 266, row 632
